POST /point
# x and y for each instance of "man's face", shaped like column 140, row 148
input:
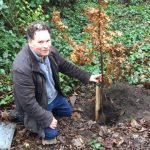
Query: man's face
column 41, row 43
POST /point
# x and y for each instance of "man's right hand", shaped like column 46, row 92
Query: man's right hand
column 53, row 124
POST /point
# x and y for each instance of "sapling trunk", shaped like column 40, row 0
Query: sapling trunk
column 99, row 115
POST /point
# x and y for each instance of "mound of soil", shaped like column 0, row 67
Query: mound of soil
column 131, row 100
column 127, row 111
column 120, row 101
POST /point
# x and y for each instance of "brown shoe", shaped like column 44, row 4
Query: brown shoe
column 49, row 142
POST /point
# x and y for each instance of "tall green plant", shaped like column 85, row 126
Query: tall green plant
column 17, row 14
column 10, row 45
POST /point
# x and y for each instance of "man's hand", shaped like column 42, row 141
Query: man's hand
column 96, row 78
column 53, row 124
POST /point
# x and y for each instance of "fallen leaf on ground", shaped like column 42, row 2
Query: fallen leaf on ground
column 144, row 122
column 4, row 115
column 75, row 116
column 79, row 109
column 78, row 142
column 103, row 130
column 135, row 124
column 73, row 99
column 118, row 142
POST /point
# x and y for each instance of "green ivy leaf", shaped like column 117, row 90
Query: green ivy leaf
column 2, row 72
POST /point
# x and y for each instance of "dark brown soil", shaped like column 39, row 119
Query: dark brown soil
column 127, row 111
column 121, row 101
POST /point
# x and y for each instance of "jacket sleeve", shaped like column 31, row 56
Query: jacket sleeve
column 70, row 69
column 24, row 92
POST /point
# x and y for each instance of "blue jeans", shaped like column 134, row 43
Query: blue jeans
column 59, row 107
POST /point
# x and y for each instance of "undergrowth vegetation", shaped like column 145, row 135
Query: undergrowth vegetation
column 131, row 18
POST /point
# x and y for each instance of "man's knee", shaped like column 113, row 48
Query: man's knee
column 66, row 113
column 69, row 112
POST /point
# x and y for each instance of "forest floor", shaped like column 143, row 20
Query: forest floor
column 127, row 112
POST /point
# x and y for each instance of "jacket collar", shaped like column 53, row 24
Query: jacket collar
column 34, row 61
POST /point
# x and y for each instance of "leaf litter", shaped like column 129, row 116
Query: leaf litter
column 127, row 109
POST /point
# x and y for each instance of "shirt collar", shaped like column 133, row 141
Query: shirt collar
column 38, row 58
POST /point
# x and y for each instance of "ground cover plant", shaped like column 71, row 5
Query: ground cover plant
column 131, row 18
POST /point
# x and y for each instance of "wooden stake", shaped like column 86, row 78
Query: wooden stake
column 98, row 102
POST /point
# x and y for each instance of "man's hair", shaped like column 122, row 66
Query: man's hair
column 36, row 26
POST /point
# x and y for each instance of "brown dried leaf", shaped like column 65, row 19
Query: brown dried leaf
column 143, row 129
column 72, row 99
column 4, row 115
column 107, row 81
column 118, row 142
column 79, row 109
column 144, row 122
column 135, row 124
column 75, row 116
column 78, row 142
column 22, row 132
column 103, row 131
column 115, row 135
column 90, row 123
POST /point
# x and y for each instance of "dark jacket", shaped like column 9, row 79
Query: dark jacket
column 29, row 86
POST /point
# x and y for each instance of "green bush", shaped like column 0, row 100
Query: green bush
column 60, row 3
column 10, row 45
column 133, row 22
column 18, row 14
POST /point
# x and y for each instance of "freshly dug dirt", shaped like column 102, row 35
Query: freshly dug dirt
column 120, row 101
column 127, row 112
